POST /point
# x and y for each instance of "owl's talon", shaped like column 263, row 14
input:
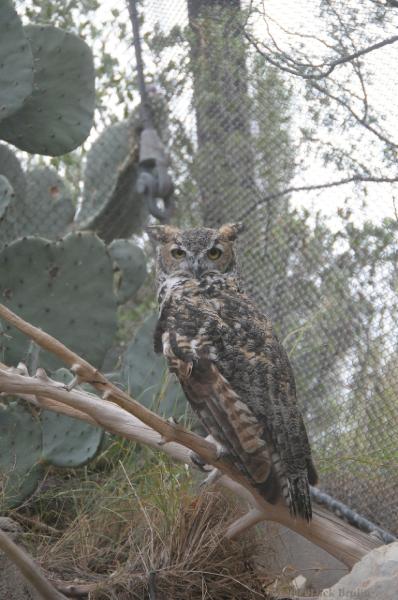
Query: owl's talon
column 198, row 461
column 212, row 477
column 165, row 439
column 222, row 452
column 73, row 383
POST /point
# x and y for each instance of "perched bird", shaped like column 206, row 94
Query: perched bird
column 233, row 370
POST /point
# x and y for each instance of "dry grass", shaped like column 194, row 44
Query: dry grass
column 187, row 560
column 132, row 525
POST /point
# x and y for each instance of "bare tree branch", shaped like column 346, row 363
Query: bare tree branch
column 110, row 392
column 121, row 414
column 29, row 569
column 350, row 57
column 355, row 63
column 352, row 112
column 321, row 186
column 340, row 540
column 323, row 90
column 330, row 67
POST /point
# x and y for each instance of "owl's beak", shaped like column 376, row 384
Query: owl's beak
column 197, row 269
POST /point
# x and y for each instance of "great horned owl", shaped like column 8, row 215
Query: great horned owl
column 231, row 366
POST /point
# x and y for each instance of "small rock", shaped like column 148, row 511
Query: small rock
column 375, row 577
column 10, row 527
column 299, row 583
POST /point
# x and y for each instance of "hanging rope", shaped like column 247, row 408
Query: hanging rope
column 154, row 181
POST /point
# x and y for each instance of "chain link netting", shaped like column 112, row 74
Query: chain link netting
column 317, row 262
column 258, row 130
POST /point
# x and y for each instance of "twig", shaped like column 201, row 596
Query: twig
column 322, row 186
column 35, row 524
column 76, row 589
column 330, row 67
column 29, row 569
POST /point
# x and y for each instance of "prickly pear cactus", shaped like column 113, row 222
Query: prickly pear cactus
column 111, row 204
column 11, row 168
column 146, row 376
column 48, row 209
column 64, row 287
column 20, row 453
column 42, row 204
column 68, row 442
column 13, row 207
column 6, row 195
column 16, row 71
column 57, row 116
column 130, row 268
column 29, row 442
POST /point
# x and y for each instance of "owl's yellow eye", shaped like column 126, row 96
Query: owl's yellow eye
column 178, row 253
column 214, row 253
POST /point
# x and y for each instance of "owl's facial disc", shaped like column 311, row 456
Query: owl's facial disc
column 194, row 262
column 195, row 253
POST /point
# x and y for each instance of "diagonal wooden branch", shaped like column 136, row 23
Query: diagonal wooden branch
column 86, row 372
column 29, row 569
column 342, row 541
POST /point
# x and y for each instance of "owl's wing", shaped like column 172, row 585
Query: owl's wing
column 225, row 416
column 270, row 446
column 240, row 383
column 229, row 420
column 273, row 400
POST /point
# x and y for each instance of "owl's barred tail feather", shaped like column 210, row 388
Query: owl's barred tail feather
column 295, row 491
column 299, row 501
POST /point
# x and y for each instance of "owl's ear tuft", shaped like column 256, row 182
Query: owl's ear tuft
column 161, row 233
column 230, row 231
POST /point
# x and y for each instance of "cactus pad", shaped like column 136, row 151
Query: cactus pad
column 11, row 168
column 130, row 268
column 48, row 209
column 68, row 442
column 146, row 376
column 58, row 115
column 20, row 452
column 65, row 288
column 12, row 220
column 43, row 205
column 6, row 195
column 111, row 205
column 16, row 62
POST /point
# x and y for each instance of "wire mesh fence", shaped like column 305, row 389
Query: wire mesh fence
column 281, row 116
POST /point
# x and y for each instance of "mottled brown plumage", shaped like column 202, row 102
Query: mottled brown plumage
column 234, row 371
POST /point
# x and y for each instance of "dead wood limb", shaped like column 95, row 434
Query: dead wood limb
column 87, row 373
column 122, row 415
column 76, row 590
column 29, row 569
column 339, row 539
